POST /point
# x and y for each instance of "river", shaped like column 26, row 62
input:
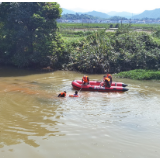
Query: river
column 35, row 123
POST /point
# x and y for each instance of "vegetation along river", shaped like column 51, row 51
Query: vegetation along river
column 34, row 122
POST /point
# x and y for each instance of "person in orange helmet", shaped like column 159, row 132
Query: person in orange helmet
column 85, row 80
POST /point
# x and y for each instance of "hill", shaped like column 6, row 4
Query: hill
column 121, row 14
column 98, row 14
column 93, row 13
column 148, row 14
column 79, row 16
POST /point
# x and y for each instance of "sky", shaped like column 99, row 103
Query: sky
column 132, row 6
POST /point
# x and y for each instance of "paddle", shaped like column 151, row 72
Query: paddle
column 81, row 88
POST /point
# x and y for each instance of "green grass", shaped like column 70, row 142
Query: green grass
column 82, row 25
column 157, row 40
column 140, row 74
column 149, row 27
column 73, row 33
column 69, row 39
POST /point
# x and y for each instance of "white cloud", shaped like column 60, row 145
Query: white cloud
column 133, row 6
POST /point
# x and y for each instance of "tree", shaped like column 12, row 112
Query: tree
column 111, row 26
column 117, row 25
column 30, row 30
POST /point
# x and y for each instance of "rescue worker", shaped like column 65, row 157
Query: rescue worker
column 62, row 94
column 107, row 83
column 85, row 80
column 110, row 77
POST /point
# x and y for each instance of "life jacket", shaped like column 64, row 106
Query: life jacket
column 62, row 94
column 85, row 79
column 107, row 79
column 110, row 77
column 107, row 82
column 73, row 95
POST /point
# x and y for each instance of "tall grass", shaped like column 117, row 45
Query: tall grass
column 73, row 33
column 140, row 74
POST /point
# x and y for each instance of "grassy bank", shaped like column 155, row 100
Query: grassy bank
column 140, row 74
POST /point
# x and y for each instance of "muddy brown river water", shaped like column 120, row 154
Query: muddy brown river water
column 35, row 123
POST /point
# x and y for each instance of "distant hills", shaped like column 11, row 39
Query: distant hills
column 93, row 13
column 146, row 14
column 98, row 14
column 121, row 14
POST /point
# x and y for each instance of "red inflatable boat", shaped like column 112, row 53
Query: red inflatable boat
column 97, row 83
column 95, row 86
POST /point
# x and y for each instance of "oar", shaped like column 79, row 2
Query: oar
column 81, row 88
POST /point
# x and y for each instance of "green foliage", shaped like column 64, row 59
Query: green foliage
column 117, row 25
column 101, row 52
column 123, row 29
column 117, row 18
column 72, row 33
column 92, row 54
column 157, row 33
column 111, row 26
column 29, row 34
column 140, row 74
column 148, row 27
column 78, row 17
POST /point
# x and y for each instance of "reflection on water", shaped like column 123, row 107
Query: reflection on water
column 34, row 122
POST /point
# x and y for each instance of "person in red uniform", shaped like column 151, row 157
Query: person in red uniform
column 85, row 80
column 62, row 94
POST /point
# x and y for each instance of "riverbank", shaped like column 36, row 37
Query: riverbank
column 140, row 74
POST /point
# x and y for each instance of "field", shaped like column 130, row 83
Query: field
column 72, row 31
